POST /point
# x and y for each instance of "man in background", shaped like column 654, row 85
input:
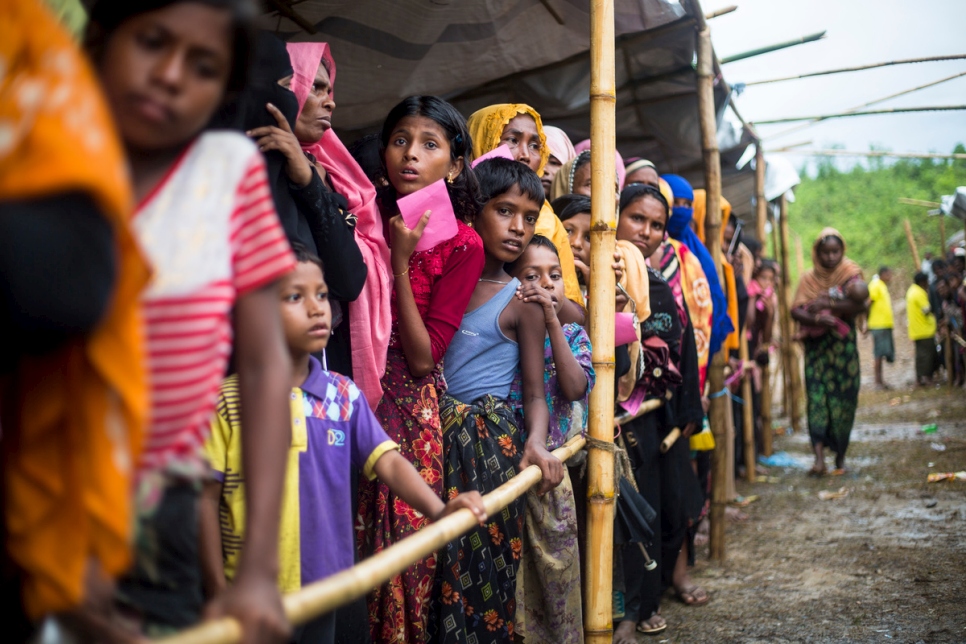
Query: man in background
column 880, row 322
column 922, row 328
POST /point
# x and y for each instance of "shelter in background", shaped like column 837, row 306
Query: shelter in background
column 478, row 52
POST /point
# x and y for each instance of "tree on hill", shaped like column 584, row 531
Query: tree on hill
column 863, row 204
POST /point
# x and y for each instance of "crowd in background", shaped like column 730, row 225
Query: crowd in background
column 238, row 359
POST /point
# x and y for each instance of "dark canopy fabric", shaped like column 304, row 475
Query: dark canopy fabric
column 478, row 52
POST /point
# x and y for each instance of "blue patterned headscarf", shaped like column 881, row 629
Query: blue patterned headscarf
column 679, row 228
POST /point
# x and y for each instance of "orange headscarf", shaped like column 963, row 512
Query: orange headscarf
column 819, row 280
column 727, row 270
column 73, row 418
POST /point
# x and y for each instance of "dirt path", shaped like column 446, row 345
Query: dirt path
column 886, row 563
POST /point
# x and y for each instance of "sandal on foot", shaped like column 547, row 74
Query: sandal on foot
column 839, row 471
column 817, row 471
column 645, row 627
column 690, row 596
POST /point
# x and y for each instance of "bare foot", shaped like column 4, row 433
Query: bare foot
column 704, row 529
column 624, row 633
column 692, row 595
column 735, row 515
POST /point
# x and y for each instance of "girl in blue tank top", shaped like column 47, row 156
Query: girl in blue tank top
column 482, row 445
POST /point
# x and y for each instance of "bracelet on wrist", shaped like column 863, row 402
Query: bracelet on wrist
column 405, row 272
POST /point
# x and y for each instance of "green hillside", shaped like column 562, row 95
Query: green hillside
column 863, row 203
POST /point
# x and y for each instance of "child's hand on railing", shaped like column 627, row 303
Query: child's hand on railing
column 550, row 466
column 470, row 500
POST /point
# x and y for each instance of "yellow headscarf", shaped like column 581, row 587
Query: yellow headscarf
column 727, row 270
column 75, row 415
column 486, row 128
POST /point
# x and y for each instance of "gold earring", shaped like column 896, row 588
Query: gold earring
column 449, row 179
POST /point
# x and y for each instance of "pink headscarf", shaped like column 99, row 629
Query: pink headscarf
column 621, row 173
column 559, row 144
column 369, row 315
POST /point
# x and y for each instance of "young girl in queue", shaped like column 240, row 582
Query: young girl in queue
column 424, row 140
column 166, row 67
column 483, row 444
column 549, row 605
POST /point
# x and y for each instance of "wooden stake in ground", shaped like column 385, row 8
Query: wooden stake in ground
column 761, row 218
column 712, row 226
column 747, row 413
column 784, row 300
column 912, row 243
column 796, row 394
column 599, row 554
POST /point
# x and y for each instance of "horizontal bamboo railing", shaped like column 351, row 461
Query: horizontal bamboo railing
column 347, row 586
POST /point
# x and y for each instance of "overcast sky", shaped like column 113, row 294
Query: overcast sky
column 859, row 32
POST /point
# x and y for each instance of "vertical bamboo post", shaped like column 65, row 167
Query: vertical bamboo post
column 782, row 300
column 794, row 373
column 912, row 243
column 761, row 208
column 942, row 236
column 747, row 414
column 712, row 226
column 598, row 573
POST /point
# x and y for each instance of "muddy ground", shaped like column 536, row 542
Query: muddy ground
column 886, row 563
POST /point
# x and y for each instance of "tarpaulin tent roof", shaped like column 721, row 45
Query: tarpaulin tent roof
column 478, row 52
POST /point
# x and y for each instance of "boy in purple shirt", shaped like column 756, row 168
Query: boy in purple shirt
column 333, row 429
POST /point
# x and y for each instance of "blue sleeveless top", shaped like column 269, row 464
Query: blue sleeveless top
column 481, row 359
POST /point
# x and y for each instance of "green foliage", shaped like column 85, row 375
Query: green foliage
column 863, row 204
column 71, row 13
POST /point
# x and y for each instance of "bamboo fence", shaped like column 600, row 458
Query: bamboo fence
column 347, row 586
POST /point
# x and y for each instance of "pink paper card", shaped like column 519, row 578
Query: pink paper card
column 442, row 221
column 502, row 152
column 624, row 331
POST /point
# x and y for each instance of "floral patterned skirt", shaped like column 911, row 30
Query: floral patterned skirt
column 475, row 600
column 409, row 412
column 549, row 607
column 832, row 381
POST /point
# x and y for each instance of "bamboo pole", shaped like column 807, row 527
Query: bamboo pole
column 782, row 315
column 948, row 351
column 761, row 207
column 712, row 185
column 344, row 587
column 794, row 375
column 720, row 12
column 921, row 202
column 770, row 48
column 891, row 110
column 912, row 243
column 747, row 414
column 946, row 79
column 599, row 554
column 858, row 68
column 871, row 153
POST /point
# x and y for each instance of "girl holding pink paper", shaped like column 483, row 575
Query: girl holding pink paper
column 424, row 140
